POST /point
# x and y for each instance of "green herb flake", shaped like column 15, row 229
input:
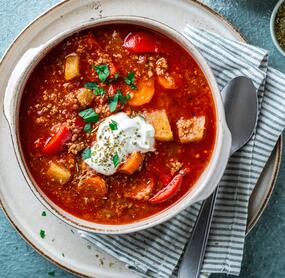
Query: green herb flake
column 86, row 154
column 102, row 71
column 130, row 80
column 113, row 125
column 44, row 213
column 99, row 91
column 42, row 234
column 90, row 85
column 89, row 115
column 116, row 160
column 62, row 254
column 87, row 128
column 51, row 273
column 113, row 102
column 124, row 99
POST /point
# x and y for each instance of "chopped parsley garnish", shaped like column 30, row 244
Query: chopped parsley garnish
column 87, row 127
column 86, row 154
column 102, row 71
column 130, row 80
column 115, row 78
column 90, row 85
column 113, row 125
column 42, row 233
column 113, row 101
column 124, row 99
column 44, row 213
column 51, row 273
column 89, row 115
column 62, row 254
column 98, row 91
column 116, row 160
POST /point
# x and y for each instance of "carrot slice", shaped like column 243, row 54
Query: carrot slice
column 93, row 187
column 143, row 94
column 132, row 164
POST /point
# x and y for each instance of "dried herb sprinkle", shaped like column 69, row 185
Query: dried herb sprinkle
column 279, row 26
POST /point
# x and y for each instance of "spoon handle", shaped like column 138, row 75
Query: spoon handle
column 194, row 253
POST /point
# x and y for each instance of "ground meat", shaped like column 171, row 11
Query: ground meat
column 174, row 166
column 75, row 148
column 161, row 66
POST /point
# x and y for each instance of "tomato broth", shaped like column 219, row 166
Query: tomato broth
column 93, row 75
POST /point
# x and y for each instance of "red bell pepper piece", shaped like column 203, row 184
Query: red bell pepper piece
column 141, row 42
column 56, row 143
column 171, row 189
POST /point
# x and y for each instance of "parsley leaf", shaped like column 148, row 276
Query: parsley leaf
column 87, row 127
column 99, row 91
column 86, row 154
column 51, row 273
column 102, row 71
column 113, row 101
column 44, row 213
column 89, row 115
column 113, row 125
column 130, row 80
column 124, row 99
column 42, row 233
column 90, row 85
column 95, row 88
column 116, row 160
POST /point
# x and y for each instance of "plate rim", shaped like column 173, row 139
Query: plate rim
column 279, row 145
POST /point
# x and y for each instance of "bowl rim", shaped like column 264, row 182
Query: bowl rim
column 272, row 29
column 222, row 132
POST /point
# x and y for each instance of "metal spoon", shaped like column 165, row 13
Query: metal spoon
column 241, row 106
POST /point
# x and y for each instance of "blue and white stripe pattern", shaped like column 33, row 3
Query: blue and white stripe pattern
column 156, row 251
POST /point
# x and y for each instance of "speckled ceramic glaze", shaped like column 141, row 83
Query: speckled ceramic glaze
column 20, row 205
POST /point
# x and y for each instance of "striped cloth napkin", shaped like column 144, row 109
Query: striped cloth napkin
column 156, row 252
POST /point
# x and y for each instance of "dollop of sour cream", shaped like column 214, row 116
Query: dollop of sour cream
column 117, row 137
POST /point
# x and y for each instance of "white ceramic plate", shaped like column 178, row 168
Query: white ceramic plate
column 19, row 203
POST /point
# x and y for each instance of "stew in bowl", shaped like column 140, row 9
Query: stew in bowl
column 117, row 123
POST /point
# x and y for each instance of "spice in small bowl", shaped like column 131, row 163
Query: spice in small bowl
column 277, row 26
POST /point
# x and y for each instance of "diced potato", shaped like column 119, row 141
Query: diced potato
column 132, row 164
column 85, row 97
column 71, row 68
column 191, row 130
column 143, row 94
column 58, row 173
column 159, row 120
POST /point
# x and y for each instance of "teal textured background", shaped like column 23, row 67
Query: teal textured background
column 264, row 250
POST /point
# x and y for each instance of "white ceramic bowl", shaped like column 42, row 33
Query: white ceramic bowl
column 272, row 30
column 205, row 184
